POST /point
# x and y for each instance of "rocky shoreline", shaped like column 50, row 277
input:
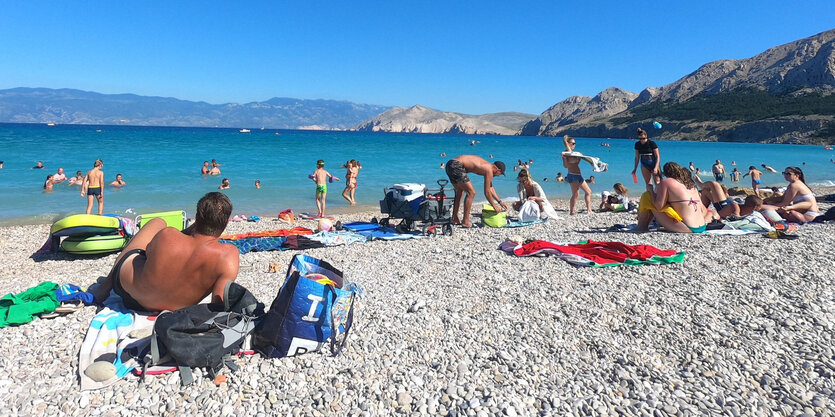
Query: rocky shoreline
column 744, row 326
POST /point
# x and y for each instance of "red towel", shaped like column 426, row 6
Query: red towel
column 602, row 253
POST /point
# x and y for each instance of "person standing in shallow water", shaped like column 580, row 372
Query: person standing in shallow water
column 93, row 186
column 647, row 154
column 574, row 178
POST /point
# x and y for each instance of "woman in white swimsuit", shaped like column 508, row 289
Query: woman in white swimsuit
column 799, row 204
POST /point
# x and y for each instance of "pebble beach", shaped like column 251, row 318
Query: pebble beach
column 453, row 326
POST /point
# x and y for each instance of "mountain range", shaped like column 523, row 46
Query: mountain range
column 68, row 106
column 784, row 94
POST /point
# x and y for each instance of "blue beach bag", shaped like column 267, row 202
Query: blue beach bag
column 315, row 305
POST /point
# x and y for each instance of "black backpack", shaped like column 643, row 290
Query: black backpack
column 205, row 335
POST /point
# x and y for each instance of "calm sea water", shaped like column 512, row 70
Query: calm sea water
column 162, row 165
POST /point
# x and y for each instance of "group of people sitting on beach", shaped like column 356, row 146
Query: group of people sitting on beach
column 679, row 202
column 675, row 197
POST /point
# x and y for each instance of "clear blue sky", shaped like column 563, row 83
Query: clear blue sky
column 464, row 56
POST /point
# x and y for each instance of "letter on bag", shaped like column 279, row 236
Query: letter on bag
column 311, row 314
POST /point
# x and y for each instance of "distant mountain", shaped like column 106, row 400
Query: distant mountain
column 420, row 119
column 67, row 106
column 784, row 94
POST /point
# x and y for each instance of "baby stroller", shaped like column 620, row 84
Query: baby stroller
column 418, row 207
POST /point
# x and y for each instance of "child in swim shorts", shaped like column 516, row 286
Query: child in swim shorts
column 321, row 178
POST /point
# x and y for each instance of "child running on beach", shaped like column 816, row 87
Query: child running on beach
column 91, row 186
column 755, row 179
column 353, row 167
column 321, row 178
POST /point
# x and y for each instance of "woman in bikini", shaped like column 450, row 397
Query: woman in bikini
column 681, row 209
column 798, row 204
column 574, row 178
column 646, row 153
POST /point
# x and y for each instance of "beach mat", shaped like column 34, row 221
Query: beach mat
column 361, row 226
column 525, row 224
column 376, row 231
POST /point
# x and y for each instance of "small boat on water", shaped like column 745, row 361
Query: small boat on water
column 50, row 124
column 244, row 131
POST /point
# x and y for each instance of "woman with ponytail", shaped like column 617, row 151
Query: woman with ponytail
column 799, row 203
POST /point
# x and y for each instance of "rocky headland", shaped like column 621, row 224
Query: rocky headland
column 420, row 119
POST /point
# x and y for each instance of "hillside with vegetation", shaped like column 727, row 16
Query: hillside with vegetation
column 783, row 95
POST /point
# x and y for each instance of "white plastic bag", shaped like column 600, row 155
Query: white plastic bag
column 529, row 211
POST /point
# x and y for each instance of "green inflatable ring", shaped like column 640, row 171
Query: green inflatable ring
column 85, row 224
column 94, row 245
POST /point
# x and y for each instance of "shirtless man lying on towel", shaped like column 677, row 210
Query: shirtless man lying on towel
column 162, row 268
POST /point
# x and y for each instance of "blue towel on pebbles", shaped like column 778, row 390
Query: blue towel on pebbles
column 523, row 224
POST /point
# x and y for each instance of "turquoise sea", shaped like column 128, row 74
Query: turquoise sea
column 161, row 165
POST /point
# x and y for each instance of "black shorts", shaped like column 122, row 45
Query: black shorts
column 456, row 172
column 94, row 191
column 127, row 299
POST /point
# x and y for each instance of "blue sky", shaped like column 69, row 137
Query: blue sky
column 466, row 56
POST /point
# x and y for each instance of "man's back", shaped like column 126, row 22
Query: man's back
column 476, row 165
column 180, row 270
column 95, row 177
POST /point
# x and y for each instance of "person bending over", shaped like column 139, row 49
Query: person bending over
column 681, row 209
column 162, row 268
column 457, row 170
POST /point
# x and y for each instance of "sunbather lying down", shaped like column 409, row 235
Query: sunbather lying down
column 681, row 209
column 162, row 268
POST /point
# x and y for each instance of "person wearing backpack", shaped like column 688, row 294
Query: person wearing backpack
column 162, row 268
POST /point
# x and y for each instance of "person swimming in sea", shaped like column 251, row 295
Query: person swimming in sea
column 47, row 185
column 118, row 182
column 768, row 168
column 77, row 179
